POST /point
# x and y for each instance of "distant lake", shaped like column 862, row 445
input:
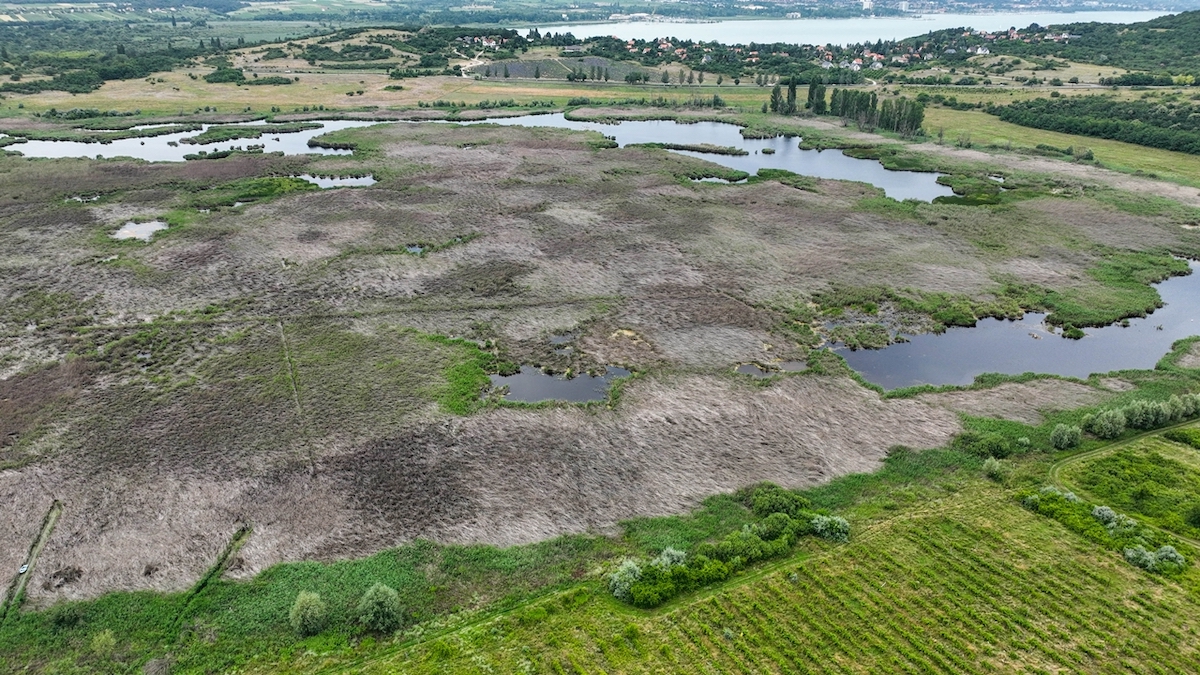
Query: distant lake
column 837, row 31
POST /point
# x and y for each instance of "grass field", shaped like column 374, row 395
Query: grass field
column 984, row 129
column 1154, row 479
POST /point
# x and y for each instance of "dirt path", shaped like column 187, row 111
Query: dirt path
column 1180, row 193
column 17, row 587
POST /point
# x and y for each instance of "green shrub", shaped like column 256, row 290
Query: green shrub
column 1065, row 436
column 103, row 643
column 1189, row 436
column 982, row 444
column 1165, row 559
column 669, row 557
column 308, row 614
column 621, row 581
column 1106, row 424
column 767, row 498
column 993, row 469
column 379, row 609
column 834, row 528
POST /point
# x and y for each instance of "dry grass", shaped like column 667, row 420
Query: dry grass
column 505, row 477
column 1191, row 359
column 1019, row 402
column 302, row 401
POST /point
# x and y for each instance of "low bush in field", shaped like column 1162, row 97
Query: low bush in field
column 1185, row 436
column 1065, row 436
column 1166, row 559
column 993, row 469
column 379, row 609
column 1140, row 545
column 785, row 518
column 308, row 614
column 982, row 444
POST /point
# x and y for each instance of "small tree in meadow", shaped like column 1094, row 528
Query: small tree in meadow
column 993, row 469
column 308, row 614
column 1065, row 436
column 379, row 609
column 834, row 528
column 620, row 581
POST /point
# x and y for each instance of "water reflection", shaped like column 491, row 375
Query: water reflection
column 770, row 153
column 167, row 148
column 1028, row 345
column 531, row 385
column 143, row 231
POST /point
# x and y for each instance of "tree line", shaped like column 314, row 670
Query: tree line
column 901, row 115
column 1169, row 126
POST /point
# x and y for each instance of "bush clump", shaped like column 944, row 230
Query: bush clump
column 982, row 444
column 308, row 614
column 993, row 469
column 1107, row 424
column 1142, row 546
column 834, row 528
column 1065, row 436
column 767, row 498
column 1142, row 415
column 1185, row 436
column 672, row 572
column 379, row 609
column 621, row 581
column 1165, row 559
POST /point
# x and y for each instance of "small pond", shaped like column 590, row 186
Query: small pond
column 1028, row 345
column 167, row 148
column 326, row 182
column 531, row 385
column 787, row 153
column 143, row 231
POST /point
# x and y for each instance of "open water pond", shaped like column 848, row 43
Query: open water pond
column 1027, row 345
column 168, row 148
column 326, row 182
column 787, row 153
column 531, row 385
column 143, row 231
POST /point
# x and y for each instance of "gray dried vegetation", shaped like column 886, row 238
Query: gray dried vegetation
column 1192, row 358
column 264, row 365
column 1019, row 402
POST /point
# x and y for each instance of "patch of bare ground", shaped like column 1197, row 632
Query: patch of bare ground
column 506, row 476
column 1192, row 358
column 1018, row 402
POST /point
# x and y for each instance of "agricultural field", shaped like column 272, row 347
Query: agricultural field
column 968, row 583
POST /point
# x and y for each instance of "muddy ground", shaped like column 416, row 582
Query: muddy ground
column 268, row 364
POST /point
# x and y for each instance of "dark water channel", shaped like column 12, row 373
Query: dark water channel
column 1027, row 345
column 531, row 385
column 788, row 155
